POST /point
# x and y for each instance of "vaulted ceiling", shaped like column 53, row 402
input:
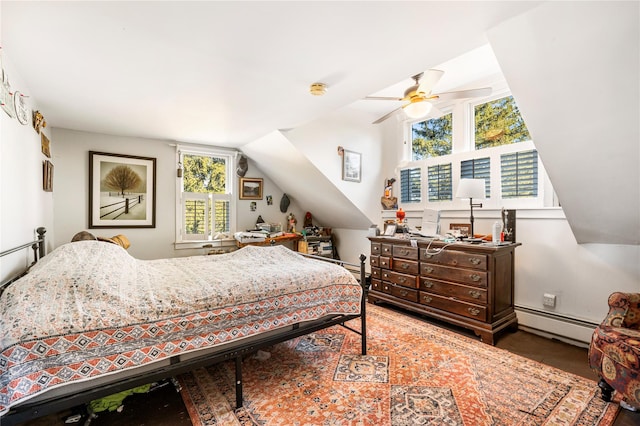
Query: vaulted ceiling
column 228, row 73
column 231, row 73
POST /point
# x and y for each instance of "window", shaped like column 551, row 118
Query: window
column 431, row 138
column 206, row 195
column 478, row 168
column 440, row 186
column 410, row 187
column 499, row 122
column 519, row 171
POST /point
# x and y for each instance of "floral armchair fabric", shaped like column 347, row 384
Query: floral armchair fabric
column 614, row 353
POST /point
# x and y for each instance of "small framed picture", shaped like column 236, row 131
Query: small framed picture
column 251, row 188
column 390, row 230
column 460, row 229
column 47, row 176
column 351, row 166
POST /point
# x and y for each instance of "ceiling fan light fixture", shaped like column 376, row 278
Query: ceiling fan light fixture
column 417, row 108
column 318, row 89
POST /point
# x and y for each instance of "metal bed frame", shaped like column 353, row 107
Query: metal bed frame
column 44, row 406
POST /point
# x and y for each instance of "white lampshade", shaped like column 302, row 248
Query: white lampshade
column 471, row 188
column 417, row 109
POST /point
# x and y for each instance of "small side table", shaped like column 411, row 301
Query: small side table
column 294, row 238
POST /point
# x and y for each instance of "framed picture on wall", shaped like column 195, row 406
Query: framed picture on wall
column 351, row 166
column 47, row 176
column 251, row 188
column 122, row 191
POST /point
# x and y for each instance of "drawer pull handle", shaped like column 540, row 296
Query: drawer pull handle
column 405, row 266
column 428, row 256
column 427, row 299
column 454, row 262
column 475, row 294
column 473, row 311
column 383, row 263
column 404, row 293
column 402, row 280
column 474, row 261
column 428, row 284
column 428, row 269
column 386, row 275
column 475, row 278
column 404, row 252
column 386, row 249
column 386, row 288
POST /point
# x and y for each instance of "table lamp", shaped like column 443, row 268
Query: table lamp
column 471, row 188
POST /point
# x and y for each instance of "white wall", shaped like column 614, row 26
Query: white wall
column 24, row 206
column 71, row 205
column 319, row 140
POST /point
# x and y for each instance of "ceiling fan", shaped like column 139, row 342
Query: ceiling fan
column 418, row 97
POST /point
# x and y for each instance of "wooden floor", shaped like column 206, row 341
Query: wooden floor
column 164, row 407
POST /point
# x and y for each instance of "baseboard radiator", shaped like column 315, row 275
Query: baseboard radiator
column 555, row 326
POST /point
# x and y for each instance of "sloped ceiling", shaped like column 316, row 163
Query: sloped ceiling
column 233, row 73
column 226, row 72
column 575, row 75
column 295, row 174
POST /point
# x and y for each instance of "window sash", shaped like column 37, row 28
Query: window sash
column 201, row 215
column 440, row 185
column 519, row 174
column 438, row 137
column 410, row 185
column 478, row 168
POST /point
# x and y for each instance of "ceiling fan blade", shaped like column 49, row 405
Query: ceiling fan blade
column 382, row 98
column 384, row 117
column 462, row 94
column 428, row 80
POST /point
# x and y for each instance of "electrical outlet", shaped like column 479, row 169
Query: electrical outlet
column 549, row 300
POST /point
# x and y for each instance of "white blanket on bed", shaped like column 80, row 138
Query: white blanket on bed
column 89, row 285
column 89, row 309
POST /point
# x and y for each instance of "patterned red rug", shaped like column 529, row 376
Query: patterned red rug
column 414, row 374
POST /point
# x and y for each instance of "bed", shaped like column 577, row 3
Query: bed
column 89, row 320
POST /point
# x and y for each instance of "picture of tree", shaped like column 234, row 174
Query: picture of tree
column 122, row 191
column 122, row 178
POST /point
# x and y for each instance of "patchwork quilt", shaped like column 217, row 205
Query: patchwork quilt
column 90, row 309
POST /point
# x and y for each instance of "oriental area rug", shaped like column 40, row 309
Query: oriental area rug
column 414, row 373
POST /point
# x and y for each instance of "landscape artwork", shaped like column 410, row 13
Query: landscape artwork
column 121, row 191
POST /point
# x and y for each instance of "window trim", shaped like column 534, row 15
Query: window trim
column 231, row 187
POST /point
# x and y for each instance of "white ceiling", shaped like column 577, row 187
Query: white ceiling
column 227, row 73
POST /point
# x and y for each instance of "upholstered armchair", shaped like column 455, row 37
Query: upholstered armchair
column 614, row 353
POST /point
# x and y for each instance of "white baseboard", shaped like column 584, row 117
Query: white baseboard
column 568, row 330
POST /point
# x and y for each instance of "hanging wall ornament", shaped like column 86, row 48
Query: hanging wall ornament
column 284, row 203
column 242, row 167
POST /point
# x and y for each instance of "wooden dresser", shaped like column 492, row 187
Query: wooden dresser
column 469, row 285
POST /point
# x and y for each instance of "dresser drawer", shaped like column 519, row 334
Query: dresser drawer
column 376, row 248
column 376, row 285
column 455, row 258
column 401, row 292
column 405, row 266
column 404, row 280
column 465, row 276
column 386, row 249
column 454, row 306
column 375, row 261
column 455, row 291
column 375, row 273
column 405, row 252
column 385, row 262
